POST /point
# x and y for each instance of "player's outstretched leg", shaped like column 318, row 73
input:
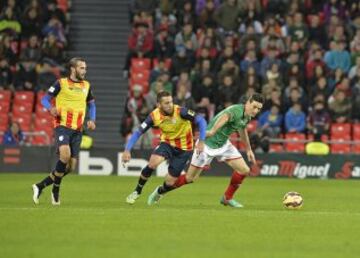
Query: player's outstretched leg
column 145, row 175
column 154, row 197
column 228, row 197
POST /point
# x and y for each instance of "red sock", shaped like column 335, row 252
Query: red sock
column 236, row 180
column 180, row 181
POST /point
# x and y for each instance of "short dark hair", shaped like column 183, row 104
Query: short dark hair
column 73, row 61
column 162, row 94
column 256, row 97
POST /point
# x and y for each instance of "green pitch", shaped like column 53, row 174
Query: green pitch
column 94, row 221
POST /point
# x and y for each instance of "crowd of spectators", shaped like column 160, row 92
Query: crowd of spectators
column 303, row 55
column 32, row 43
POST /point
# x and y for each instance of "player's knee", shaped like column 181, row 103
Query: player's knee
column 244, row 170
column 147, row 171
column 65, row 157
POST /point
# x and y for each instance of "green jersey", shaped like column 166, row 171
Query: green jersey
column 237, row 121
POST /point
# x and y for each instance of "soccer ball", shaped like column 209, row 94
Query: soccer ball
column 293, row 200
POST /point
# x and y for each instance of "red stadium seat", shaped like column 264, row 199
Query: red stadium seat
column 43, row 123
column 4, row 122
column 295, row 146
column 140, row 64
column 63, row 5
column 251, row 127
column 18, row 110
column 356, row 148
column 24, row 121
column 340, row 147
column 23, row 96
column 42, row 140
column 141, row 76
column 324, row 137
column 5, row 96
column 276, row 147
column 4, row 107
column 340, row 129
column 143, row 84
column 356, row 132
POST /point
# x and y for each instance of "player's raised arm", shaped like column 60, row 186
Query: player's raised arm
column 223, row 119
column 135, row 137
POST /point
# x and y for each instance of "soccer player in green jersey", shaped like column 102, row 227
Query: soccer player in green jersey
column 217, row 145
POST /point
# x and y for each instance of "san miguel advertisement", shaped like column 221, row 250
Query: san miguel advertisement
column 105, row 161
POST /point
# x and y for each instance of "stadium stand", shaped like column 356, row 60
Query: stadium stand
column 33, row 51
column 291, row 51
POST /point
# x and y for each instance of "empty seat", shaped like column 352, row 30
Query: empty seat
column 340, row 147
column 4, row 122
column 4, row 107
column 5, row 96
column 356, row 131
column 340, row 129
column 19, row 110
column 251, row 127
column 140, row 64
column 140, row 76
column 23, row 96
column 276, row 147
column 293, row 145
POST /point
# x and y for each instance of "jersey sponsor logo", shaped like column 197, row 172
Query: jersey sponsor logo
column 61, row 138
column 191, row 113
column 52, row 89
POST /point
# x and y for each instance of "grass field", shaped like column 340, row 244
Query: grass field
column 94, row 220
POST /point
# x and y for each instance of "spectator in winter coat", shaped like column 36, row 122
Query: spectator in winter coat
column 295, row 119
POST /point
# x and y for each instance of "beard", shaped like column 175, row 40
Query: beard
column 79, row 77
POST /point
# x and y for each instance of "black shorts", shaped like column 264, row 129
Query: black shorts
column 67, row 136
column 177, row 158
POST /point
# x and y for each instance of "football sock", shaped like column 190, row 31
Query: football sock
column 165, row 188
column 236, row 180
column 45, row 182
column 60, row 168
column 56, row 187
column 140, row 185
column 181, row 181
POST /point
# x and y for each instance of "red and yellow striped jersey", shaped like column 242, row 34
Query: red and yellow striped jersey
column 176, row 129
column 71, row 100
